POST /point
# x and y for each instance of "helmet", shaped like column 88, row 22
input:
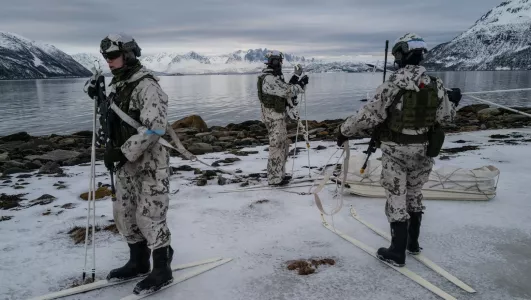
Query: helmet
column 121, row 43
column 274, row 58
column 407, row 46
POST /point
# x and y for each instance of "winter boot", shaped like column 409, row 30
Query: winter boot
column 414, row 232
column 396, row 253
column 161, row 275
column 138, row 263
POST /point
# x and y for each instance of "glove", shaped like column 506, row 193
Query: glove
column 455, row 96
column 341, row 139
column 113, row 155
column 90, row 86
column 303, row 81
column 298, row 70
column 294, row 79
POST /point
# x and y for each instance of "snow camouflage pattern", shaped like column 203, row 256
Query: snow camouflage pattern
column 276, row 126
column 142, row 184
column 405, row 168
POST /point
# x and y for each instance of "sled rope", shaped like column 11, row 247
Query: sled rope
column 499, row 105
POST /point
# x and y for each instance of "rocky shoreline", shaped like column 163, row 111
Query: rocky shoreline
column 23, row 153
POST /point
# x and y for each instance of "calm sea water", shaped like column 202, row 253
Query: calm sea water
column 59, row 106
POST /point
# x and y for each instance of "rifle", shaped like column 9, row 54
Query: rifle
column 375, row 138
column 106, row 118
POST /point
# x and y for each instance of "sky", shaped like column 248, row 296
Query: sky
column 313, row 28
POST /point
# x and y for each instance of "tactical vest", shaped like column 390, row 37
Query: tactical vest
column 270, row 101
column 121, row 131
column 419, row 110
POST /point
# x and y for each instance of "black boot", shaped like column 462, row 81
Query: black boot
column 161, row 275
column 138, row 263
column 414, row 232
column 396, row 253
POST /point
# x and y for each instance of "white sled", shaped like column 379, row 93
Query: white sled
column 445, row 183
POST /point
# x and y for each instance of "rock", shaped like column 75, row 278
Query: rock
column 193, row 121
column 10, row 201
column 254, row 128
column 15, row 170
column 320, row 147
column 68, row 206
column 5, row 218
column 4, row 156
column 515, row 118
column 243, row 153
column 202, row 181
column 209, row 139
column 100, row 193
column 222, row 180
column 487, row 113
column 183, row 168
column 13, row 164
column 473, row 108
column 31, row 165
column 51, row 167
column 210, row 173
column 200, row 148
column 67, row 142
column 43, row 200
column 15, row 137
column 24, row 176
column 58, row 155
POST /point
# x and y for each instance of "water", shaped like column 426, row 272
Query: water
column 60, row 106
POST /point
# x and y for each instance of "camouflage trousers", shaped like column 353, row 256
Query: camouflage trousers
column 405, row 170
column 142, row 199
column 278, row 144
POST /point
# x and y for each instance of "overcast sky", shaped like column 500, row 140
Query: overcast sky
column 305, row 27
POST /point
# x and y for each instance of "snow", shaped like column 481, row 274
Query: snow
column 485, row 244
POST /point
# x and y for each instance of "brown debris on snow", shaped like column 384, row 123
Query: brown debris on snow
column 308, row 266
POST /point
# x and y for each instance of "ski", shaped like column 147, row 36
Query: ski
column 421, row 258
column 180, row 279
column 106, row 283
column 403, row 270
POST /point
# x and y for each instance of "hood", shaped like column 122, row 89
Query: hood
column 408, row 77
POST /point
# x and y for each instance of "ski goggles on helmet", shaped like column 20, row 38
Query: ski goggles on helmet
column 411, row 45
column 111, row 55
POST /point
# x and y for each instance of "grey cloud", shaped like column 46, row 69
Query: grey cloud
column 307, row 27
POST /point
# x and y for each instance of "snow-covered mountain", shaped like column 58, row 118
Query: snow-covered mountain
column 238, row 62
column 21, row 58
column 499, row 40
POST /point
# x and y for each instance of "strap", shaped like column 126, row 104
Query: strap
column 179, row 146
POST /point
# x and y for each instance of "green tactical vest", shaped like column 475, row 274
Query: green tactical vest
column 419, row 110
column 121, row 131
column 270, row 101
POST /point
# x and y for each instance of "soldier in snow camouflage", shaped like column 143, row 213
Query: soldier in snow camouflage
column 142, row 173
column 275, row 95
column 405, row 106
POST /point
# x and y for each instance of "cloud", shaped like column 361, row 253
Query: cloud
column 305, row 27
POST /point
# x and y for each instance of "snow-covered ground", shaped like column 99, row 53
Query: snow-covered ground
column 486, row 244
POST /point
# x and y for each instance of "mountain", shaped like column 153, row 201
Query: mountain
column 21, row 58
column 238, row 62
column 499, row 40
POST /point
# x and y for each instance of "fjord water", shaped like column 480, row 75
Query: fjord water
column 60, row 106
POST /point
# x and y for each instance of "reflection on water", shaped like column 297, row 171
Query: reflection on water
column 60, row 106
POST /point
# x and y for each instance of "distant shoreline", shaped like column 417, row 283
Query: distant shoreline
column 253, row 73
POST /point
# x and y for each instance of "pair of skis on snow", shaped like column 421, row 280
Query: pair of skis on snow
column 403, row 270
column 204, row 266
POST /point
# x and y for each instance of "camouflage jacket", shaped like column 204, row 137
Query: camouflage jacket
column 375, row 111
column 275, row 85
column 152, row 103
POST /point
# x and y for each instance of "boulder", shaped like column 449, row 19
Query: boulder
column 193, row 121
